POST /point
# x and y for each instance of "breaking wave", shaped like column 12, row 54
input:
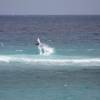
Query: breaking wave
column 50, row 61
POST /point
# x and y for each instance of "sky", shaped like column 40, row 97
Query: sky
column 49, row 7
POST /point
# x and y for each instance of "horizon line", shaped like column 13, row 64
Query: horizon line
column 49, row 14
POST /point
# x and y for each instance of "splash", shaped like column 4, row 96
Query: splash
column 44, row 49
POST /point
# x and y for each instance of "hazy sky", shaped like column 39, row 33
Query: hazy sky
column 49, row 7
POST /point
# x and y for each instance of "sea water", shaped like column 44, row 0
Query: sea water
column 72, row 72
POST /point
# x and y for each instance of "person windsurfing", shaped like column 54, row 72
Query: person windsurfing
column 43, row 48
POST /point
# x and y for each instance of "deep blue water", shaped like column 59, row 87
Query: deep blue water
column 72, row 72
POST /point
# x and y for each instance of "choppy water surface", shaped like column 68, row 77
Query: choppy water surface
column 72, row 72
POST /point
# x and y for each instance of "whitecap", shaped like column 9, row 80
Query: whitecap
column 53, row 61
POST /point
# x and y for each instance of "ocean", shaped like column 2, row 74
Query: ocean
column 71, row 72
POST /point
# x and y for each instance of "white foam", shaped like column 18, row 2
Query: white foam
column 51, row 61
column 44, row 49
column 20, row 50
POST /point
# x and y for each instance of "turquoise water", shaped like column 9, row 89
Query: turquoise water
column 49, row 84
column 72, row 72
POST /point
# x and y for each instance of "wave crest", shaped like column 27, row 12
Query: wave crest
column 33, row 60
